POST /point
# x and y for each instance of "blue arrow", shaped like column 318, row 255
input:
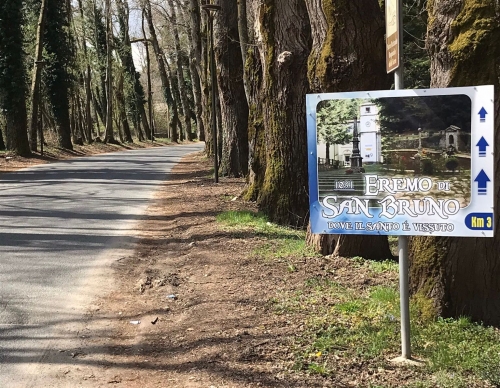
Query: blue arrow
column 482, row 144
column 482, row 115
column 482, row 182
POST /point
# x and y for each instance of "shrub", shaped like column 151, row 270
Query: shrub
column 452, row 164
column 427, row 165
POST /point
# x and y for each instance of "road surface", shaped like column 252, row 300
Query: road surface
column 61, row 225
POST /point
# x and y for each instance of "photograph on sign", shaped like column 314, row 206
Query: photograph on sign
column 401, row 163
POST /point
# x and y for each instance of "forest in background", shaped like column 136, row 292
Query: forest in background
column 67, row 71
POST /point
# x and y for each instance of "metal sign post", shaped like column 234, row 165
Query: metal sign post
column 395, row 15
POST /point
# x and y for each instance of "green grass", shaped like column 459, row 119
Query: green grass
column 384, row 266
column 162, row 140
column 348, row 323
column 281, row 242
column 243, row 219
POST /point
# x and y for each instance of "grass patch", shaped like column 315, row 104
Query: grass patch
column 281, row 242
column 384, row 266
column 243, row 219
column 343, row 324
column 461, row 347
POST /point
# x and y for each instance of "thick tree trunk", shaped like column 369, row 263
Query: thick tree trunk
column 284, row 40
column 348, row 54
column 56, row 43
column 12, row 77
column 461, row 275
column 256, row 138
column 234, row 109
column 348, row 50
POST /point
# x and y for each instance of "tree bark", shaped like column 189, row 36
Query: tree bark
column 348, row 51
column 160, row 58
column 195, row 63
column 134, row 96
column 58, row 47
column 109, row 137
column 284, row 40
column 234, row 109
column 243, row 35
column 460, row 276
column 348, row 54
column 148, row 73
column 120, row 99
column 180, row 73
column 37, row 75
column 87, row 79
column 12, row 77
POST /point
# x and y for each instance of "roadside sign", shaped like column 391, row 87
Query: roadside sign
column 413, row 162
column 392, row 34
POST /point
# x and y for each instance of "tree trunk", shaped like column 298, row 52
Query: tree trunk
column 461, row 275
column 348, row 51
column 109, row 137
column 160, row 58
column 100, row 46
column 37, row 75
column 243, row 36
column 134, row 95
column 180, row 73
column 256, row 138
column 348, row 54
column 12, row 77
column 148, row 74
column 195, row 63
column 120, row 99
column 176, row 105
column 284, row 40
column 87, row 77
column 57, row 45
column 234, row 109
column 205, row 86
column 2, row 143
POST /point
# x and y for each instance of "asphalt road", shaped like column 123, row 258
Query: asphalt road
column 61, row 225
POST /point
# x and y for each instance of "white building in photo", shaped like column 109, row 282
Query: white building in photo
column 370, row 144
column 370, row 138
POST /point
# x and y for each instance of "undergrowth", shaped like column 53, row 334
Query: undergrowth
column 341, row 323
